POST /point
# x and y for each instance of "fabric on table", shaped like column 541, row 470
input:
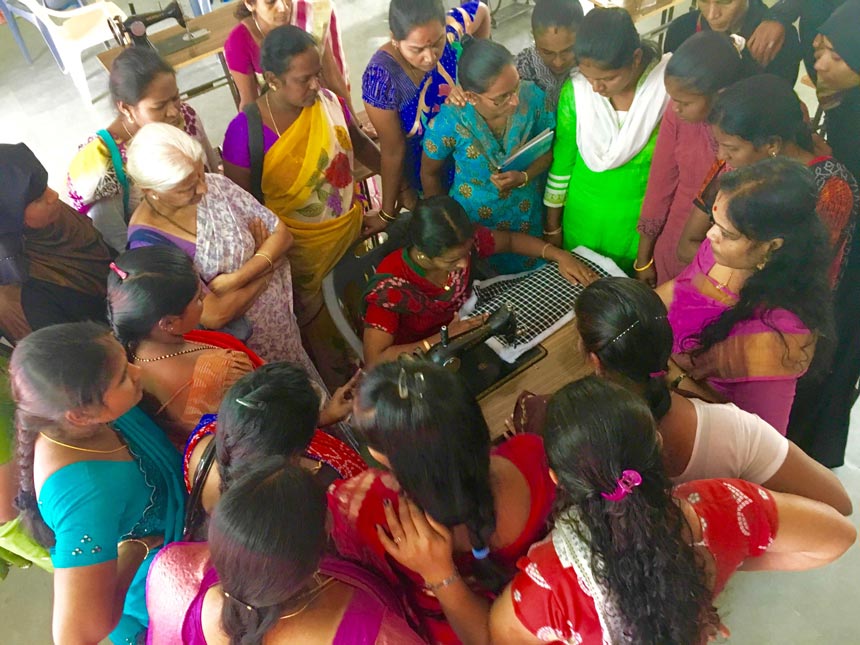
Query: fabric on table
column 356, row 506
column 733, row 443
column 785, row 64
column 758, row 365
column 739, row 521
column 543, row 301
column 532, row 68
column 600, row 208
column 400, row 301
column 386, row 86
column 463, row 134
column 92, row 182
column 683, row 154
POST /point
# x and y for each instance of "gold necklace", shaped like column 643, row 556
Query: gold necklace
column 724, row 286
column 190, row 350
column 272, row 116
column 170, row 219
column 70, row 446
column 312, row 595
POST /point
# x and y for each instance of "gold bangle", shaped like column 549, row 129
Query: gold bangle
column 266, row 257
column 543, row 250
column 385, row 217
column 553, row 232
column 138, row 541
column 447, row 582
column 526, row 180
column 636, row 268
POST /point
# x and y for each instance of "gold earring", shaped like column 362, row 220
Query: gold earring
column 773, row 153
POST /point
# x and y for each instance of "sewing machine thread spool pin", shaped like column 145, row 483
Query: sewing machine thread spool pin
column 443, row 335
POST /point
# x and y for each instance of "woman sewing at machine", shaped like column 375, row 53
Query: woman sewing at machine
column 420, row 288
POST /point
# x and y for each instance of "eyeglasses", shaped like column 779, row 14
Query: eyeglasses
column 502, row 99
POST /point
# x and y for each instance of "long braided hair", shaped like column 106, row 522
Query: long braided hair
column 52, row 371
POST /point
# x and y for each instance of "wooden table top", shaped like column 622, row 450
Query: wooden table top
column 219, row 22
column 563, row 364
column 639, row 9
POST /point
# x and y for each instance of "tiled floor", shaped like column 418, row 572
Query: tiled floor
column 40, row 106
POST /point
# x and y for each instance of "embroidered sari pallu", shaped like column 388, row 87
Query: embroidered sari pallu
column 307, row 181
column 758, row 365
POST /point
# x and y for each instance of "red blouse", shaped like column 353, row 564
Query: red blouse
column 739, row 521
column 402, row 302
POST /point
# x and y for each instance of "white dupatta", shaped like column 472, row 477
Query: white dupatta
column 603, row 142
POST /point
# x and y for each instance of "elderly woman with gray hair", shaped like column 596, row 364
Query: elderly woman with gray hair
column 238, row 246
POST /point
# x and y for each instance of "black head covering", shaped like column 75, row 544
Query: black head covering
column 22, row 180
column 843, row 30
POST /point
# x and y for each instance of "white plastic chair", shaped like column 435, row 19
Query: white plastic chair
column 69, row 33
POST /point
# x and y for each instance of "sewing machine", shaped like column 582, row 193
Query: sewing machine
column 480, row 367
column 132, row 30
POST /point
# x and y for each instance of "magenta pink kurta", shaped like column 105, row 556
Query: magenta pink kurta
column 682, row 157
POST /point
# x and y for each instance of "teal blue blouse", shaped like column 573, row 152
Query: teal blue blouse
column 465, row 135
column 93, row 505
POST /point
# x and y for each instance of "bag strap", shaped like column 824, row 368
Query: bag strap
column 255, row 148
column 116, row 160
column 194, row 507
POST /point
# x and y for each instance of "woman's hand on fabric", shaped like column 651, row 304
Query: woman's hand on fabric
column 373, row 224
column 648, row 276
column 575, row 271
column 457, row 97
column 766, row 41
column 223, row 284
column 259, row 232
column 339, row 406
column 417, row 541
column 505, row 182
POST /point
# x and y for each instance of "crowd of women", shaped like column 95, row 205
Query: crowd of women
column 198, row 459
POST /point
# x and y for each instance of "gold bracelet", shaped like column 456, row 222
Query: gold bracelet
column 138, row 541
column 543, row 250
column 526, row 180
column 385, row 217
column 447, row 582
column 266, row 257
column 636, row 268
column 554, row 232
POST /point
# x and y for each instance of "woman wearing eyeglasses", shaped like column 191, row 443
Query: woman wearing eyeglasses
column 501, row 114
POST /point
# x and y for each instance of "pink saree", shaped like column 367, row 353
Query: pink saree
column 758, row 365
column 181, row 575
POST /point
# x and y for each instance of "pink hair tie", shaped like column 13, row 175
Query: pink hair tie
column 629, row 480
column 122, row 274
column 658, row 374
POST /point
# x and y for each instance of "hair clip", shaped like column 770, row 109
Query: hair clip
column 257, row 406
column 629, row 480
column 658, row 374
column 663, row 317
column 122, row 274
column 402, row 388
column 480, row 554
column 247, row 606
column 635, row 322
